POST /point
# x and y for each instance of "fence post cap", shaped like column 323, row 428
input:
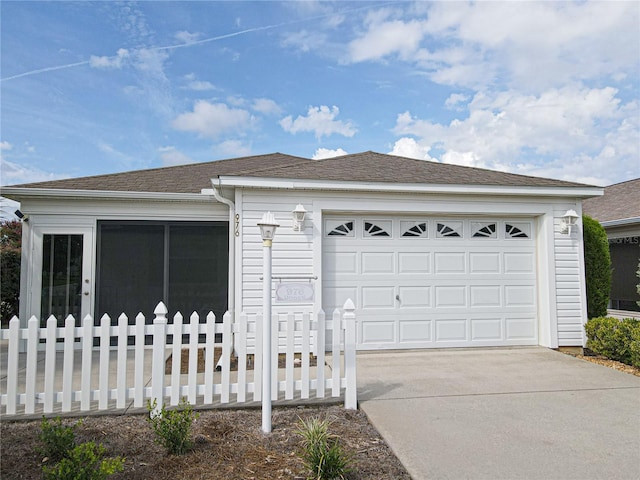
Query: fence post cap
column 349, row 306
column 161, row 313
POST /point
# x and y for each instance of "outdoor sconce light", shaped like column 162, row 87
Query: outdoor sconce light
column 298, row 218
column 568, row 220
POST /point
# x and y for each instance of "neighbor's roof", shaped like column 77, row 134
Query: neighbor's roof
column 619, row 202
column 368, row 167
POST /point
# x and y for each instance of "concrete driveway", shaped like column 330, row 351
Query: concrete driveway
column 514, row 413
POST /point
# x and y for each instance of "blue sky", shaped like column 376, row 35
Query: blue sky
column 539, row 88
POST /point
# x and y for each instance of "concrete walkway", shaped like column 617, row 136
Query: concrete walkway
column 515, row 413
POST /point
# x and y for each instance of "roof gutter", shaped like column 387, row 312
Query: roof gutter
column 16, row 193
column 621, row 222
column 283, row 183
column 232, row 246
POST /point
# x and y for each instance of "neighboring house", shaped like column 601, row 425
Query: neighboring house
column 433, row 255
column 618, row 211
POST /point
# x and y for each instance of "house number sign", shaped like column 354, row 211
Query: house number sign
column 294, row 293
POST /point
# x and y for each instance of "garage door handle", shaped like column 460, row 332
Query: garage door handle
column 398, row 297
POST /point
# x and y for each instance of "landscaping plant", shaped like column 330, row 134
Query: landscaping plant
column 57, row 439
column 597, row 262
column 615, row 339
column 173, row 427
column 84, row 462
column 322, row 453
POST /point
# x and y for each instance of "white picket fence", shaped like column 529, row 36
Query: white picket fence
column 81, row 378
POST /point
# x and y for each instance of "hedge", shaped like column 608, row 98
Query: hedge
column 615, row 339
column 597, row 262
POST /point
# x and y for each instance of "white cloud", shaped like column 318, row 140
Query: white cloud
column 266, row 106
column 232, row 148
column 454, row 100
column 319, row 120
column 322, row 153
column 171, row 156
column 201, row 85
column 116, row 61
column 4, row 145
column 16, row 174
column 408, row 147
column 384, row 38
column 213, row 119
column 187, row 37
column 560, row 133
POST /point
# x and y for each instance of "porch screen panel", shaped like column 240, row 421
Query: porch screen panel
column 198, row 265
column 61, row 277
column 131, row 269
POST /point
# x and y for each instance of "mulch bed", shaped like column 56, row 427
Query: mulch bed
column 229, row 444
column 589, row 356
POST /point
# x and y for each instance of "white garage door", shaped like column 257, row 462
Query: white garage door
column 433, row 282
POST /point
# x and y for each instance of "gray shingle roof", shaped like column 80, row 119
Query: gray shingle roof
column 620, row 201
column 360, row 167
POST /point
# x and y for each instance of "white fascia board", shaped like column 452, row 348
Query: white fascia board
column 19, row 192
column 621, row 222
column 280, row 183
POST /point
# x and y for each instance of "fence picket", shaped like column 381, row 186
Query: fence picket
column 87, row 354
column 32, row 351
column 193, row 357
column 306, row 339
column 12, row 365
column 138, row 386
column 50, row 364
column 121, row 380
column 105, row 339
column 335, row 354
column 257, row 359
column 290, row 378
column 226, row 357
column 275, row 352
column 67, row 363
column 321, row 329
column 157, row 358
column 176, row 358
column 240, row 343
column 209, row 360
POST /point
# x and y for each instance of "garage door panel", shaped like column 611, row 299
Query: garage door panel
column 521, row 328
column 451, row 330
column 412, row 263
column 412, row 297
column 486, row 329
column 415, row 331
column 485, row 295
column 451, row 296
column 378, row 332
column 378, row 262
column 519, row 295
column 378, row 297
column 482, row 262
column 334, row 297
column 519, row 263
column 342, row 262
column 451, row 262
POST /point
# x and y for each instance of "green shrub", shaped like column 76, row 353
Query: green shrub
column 322, row 452
column 84, row 462
column 173, row 427
column 10, row 247
column 597, row 260
column 57, row 439
column 615, row 339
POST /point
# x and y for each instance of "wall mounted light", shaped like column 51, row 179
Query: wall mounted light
column 298, row 218
column 568, row 221
column 21, row 216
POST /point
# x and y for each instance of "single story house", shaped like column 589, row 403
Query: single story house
column 433, row 255
column 618, row 211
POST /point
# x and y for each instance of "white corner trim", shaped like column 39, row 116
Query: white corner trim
column 282, row 183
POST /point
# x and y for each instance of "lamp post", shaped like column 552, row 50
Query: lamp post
column 268, row 227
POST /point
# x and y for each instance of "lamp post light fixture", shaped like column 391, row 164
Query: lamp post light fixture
column 568, row 221
column 298, row 218
column 268, row 227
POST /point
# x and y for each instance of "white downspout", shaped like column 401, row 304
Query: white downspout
column 232, row 248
